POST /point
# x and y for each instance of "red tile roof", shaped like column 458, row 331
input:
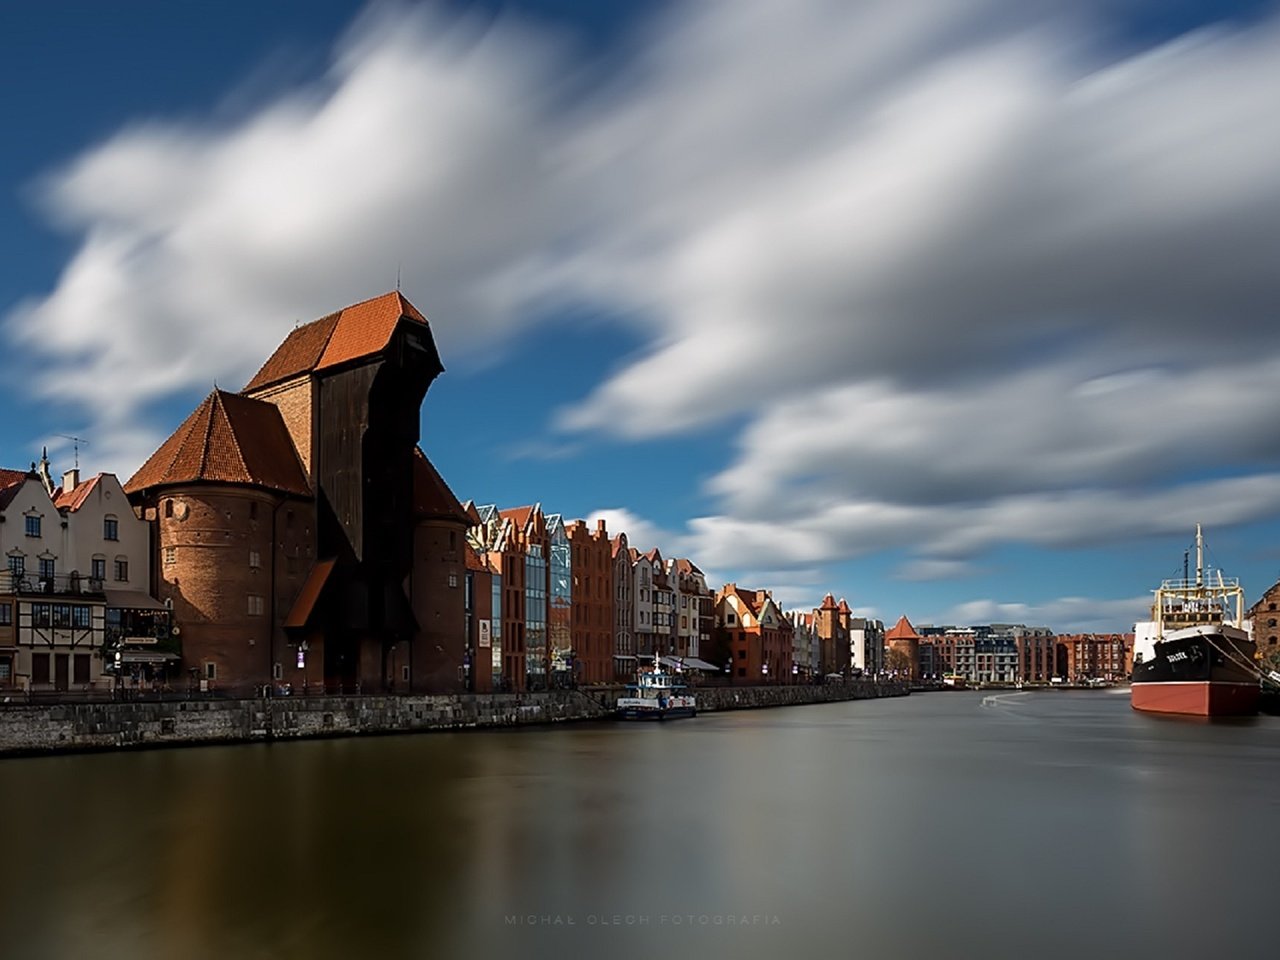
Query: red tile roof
column 227, row 439
column 828, row 602
column 844, row 607
column 902, row 630
column 473, row 560
column 74, row 499
column 432, row 498
column 517, row 515
column 361, row 330
column 10, row 483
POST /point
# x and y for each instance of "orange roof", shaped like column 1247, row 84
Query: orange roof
column 227, row 439
column 361, row 330
column 473, row 559
column 74, row 499
column 10, row 483
column 517, row 515
column 902, row 630
column 431, row 495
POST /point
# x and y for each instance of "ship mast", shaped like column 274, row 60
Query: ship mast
column 1199, row 557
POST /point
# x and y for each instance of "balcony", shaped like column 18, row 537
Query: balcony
column 62, row 585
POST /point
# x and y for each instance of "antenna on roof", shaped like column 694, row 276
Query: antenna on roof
column 398, row 278
column 75, row 445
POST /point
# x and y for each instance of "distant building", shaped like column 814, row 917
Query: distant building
column 1263, row 618
column 831, row 621
column 866, row 645
column 624, row 609
column 1095, row 656
column 903, row 650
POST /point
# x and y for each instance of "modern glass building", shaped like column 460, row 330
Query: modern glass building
column 535, row 617
column 559, row 615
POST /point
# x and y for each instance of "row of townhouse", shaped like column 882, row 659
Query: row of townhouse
column 1007, row 654
column 552, row 604
column 294, row 535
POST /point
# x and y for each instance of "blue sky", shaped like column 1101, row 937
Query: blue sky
column 962, row 311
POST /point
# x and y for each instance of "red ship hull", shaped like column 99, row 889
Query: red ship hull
column 1197, row 698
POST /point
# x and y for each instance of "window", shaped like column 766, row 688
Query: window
column 33, row 526
column 253, row 515
column 46, row 568
column 170, row 556
column 168, row 507
column 40, row 614
column 98, row 568
column 255, row 559
column 256, row 605
column 122, row 569
column 404, row 674
column 210, row 670
column 80, row 617
column 276, row 671
column 288, row 519
column 62, row 615
column 742, row 654
column 17, row 565
column 110, row 528
column 453, row 579
column 80, row 668
column 6, row 614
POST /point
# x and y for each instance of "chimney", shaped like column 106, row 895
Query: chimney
column 70, row 480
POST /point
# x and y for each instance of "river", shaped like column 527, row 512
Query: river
column 1045, row 825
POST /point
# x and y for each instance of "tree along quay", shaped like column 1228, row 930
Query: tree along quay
column 27, row 729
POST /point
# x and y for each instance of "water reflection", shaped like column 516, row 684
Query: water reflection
column 930, row 826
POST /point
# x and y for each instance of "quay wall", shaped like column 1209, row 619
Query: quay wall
column 52, row 728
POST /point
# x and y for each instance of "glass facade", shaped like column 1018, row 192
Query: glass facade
column 535, row 617
column 561, row 604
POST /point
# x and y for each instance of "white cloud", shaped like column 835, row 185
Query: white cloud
column 1064, row 615
column 966, row 285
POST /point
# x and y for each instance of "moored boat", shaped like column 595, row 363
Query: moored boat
column 1194, row 657
column 656, row 696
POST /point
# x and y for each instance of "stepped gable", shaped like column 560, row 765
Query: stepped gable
column 432, row 498
column 902, row 630
column 361, row 330
column 228, row 439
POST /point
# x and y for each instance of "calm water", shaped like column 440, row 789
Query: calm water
column 960, row 824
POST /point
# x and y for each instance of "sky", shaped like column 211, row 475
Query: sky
column 962, row 311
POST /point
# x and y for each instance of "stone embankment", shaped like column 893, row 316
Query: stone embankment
column 50, row 728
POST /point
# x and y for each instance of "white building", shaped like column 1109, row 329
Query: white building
column 866, row 645
column 76, row 569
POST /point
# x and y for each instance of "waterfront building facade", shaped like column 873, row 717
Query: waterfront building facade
column 902, row 657
column 755, row 634
column 1083, row 657
column 832, row 624
column 1264, row 622
column 624, row 609
column 593, row 604
column 75, row 608
column 866, row 646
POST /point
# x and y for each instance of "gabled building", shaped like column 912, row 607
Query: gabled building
column 755, row 634
column 75, row 611
column 693, row 616
column 624, row 609
column 654, row 602
column 1264, row 619
column 832, row 624
column 592, row 562
column 866, row 645
column 286, row 514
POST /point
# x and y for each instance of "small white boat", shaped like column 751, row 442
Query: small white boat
column 656, row 696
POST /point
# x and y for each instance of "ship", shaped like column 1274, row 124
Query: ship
column 1194, row 656
column 656, row 696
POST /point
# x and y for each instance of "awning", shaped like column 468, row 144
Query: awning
column 146, row 656
column 309, row 594
column 132, row 600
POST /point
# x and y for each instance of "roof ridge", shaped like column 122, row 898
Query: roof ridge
column 208, row 431
column 235, row 437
